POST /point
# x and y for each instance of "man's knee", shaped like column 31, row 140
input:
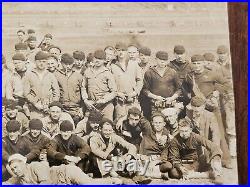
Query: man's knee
column 174, row 174
column 165, row 167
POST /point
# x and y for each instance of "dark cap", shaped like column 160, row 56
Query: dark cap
column 222, row 49
column 196, row 58
column 67, row 59
column 19, row 56
column 95, row 117
column 100, row 54
column 55, row 103
column 36, row 124
column 179, row 49
column 21, row 46
column 145, row 50
column 11, row 104
column 66, row 125
column 20, row 30
column 42, row 55
column 121, row 45
column 30, row 31
column 79, row 55
column 90, row 57
column 197, row 101
column 48, row 36
column 54, row 47
column 209, row 57
column 31, row 38
column 13, row 126
column 162, row 55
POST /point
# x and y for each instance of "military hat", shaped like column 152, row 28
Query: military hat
column 145, row 50
column 196, row 58
column 13, row 126
column 79, row 55
column 67, row 59
column 19, row 56
column 42, row 55
column 66, row 125
column 179, row 49
column 21, row 46
column 31, row 38
column 30, row 31
column 48, row 36
column 222, row 49
column 197, row 101
column 18, row 157
column 121, row 45
column 209, row 57
column 36, row 124
column 56, row 103
column 54, row 47
column 162, row 55
column 100, row 54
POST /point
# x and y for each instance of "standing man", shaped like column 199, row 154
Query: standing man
column 21, row 36
column 111, row 56
column 70, row 83
column 99, row 87
column 133, row 54
column 79, row 62
column 129, row 81
column 32, row 44
column 46, row 43
column 161, row 83
column 40, row 87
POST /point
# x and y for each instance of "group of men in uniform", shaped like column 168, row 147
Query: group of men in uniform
column 65, row 115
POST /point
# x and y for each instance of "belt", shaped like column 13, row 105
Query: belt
column 187, row 161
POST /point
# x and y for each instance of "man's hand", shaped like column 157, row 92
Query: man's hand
column 89, row 103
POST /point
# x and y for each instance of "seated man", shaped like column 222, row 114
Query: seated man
column 67, row 147
column 155, row 146
column 105, row 147
column 40, row 173
column 14, row 143
column 35, row 139
column 184, row 153
column 56, row 116
column 133, row 127
column 171, row 117
column 12, row 113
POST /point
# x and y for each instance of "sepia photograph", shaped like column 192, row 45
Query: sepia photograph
column 117, row 93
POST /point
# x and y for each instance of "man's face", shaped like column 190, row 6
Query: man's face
column 133, row 53
column 144, row 58
column 13, row 135
column 161, row 63
column 19, row 65
column 68, row 67
column 41, row 64
column 31, row 34
column 32, row 44
column 47, row 41
column 121, row 53
column 197, row 111
column 52, row 64
column 56, row 52
column 11, row 113
column 35, row 133
column 98, row 62
column 172, row 119
column 17, row 167
column 133, row 120
column 158, row 123
column 55, row 112
column 223, row 57
column 185, row 132
column 110, row 54
column 66, row 135
column 180, row 58
column 78, row 63
column 107, row 130
column 198, row 66
column 20, row 36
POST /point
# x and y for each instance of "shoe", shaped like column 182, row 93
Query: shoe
column 113, row 174
column 141, row 180
column 218, row 180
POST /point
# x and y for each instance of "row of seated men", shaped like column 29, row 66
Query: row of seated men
column 165, row 146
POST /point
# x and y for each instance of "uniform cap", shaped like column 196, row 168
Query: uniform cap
column 42, row 55
column 196, row 58
column 54, row 47
column 19, row 56
column 20, row 30
column 209, row 57
column 13, row 126
column 21, row 46
column 157, row 114
column 55, row 103
column 100, row 54
column 48, row 36
column 95, row 117
column 106, row 120
column 36, row 124
column 162, row 55
column 79, row 55
column 179, row 49
column 67, row 59
column 66, row 125
column 31, row 38
column 17, row 157
column 11, row 104
column 222, row 49
column 145, row 50
column 30, row 31
column 121, row 45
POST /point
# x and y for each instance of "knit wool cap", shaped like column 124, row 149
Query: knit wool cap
column 79, row 55
column 66, row 125
column 20, row 30
column 42, row 55
column 100, row 54
column 21, row 46
column 196, row 58
column 36, row 124
column 179, row 49
column 145, row 50
column 19, row 56
column 67, row 59
column 13, row 126
column 162, row 55
column 18, row 157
